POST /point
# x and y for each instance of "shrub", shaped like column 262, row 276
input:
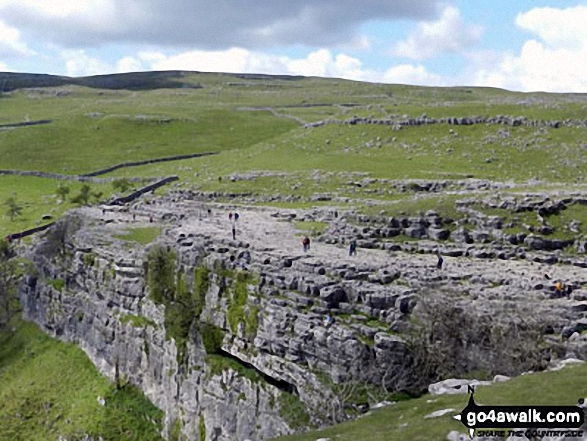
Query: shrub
column 161, row 274
column 57, row 238
column 292, row 410
column 201, row 283
column 449, row 340
column 83, row 197
column 235, row 313
column 89, row 259
column 202, row 428
column 212, row 337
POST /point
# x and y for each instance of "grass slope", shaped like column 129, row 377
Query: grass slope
column 405, row 420
column 50, row 389
column 94, row 128
column 38, row 198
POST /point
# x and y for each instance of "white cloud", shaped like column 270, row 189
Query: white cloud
column 557, row 27
column 449, row 34
column 3, row 67
column 555, row 62
column 129, row 64
column 410, row 74
column 11, row 44
column 318, row 63
column 80, row 64
column 538, row 68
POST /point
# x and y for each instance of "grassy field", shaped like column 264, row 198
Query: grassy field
column 50, row 389
column 405, row 420
column 38, row 198
column 94, row 128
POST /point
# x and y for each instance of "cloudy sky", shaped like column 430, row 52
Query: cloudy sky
column 525, row 45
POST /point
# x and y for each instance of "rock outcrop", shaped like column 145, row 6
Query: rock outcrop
column 252, row 338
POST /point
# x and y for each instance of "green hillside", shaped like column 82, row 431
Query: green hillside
column 406, row 419
column 50, row 389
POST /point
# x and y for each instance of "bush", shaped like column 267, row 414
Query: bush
column 58, row 284
column 58, row 237
column 202, row 428
column 201, row 283
column 122, row 185
column 161, row 274
column 235, row 313
column 83, row 197
column 212, row 337
column 89, row 259
column 292, row 410
column 448, row 340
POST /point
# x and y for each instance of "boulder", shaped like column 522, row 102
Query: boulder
column 438, row 233
column 333, row 295
column 440, row 413
column 454, row 386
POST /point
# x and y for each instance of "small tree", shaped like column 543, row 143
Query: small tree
column 13, row 208
column 62, row 192
column 83, row 197
column 97, row 195
column 58, row 238
column 121, row 185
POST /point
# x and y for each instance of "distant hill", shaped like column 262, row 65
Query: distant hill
column 128, row 81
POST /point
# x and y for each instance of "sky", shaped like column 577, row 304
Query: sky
column 522, row 45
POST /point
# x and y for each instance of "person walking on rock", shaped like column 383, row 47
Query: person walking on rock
column 233, row 222
column 306, row 244
column 440, row 260
column 353, row 248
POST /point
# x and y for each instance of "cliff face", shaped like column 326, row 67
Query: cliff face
column 260, row 380
column 105, row 309
column 232, row 338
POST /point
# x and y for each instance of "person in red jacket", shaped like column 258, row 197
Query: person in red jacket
column 306, row 244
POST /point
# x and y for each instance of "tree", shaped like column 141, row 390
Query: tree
column 9, row 304
column 97, row 195
column 83, row 197
column 121, row 185
column 62, row 191
column 13, row 208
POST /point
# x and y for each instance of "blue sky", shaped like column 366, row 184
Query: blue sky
column 538, row 45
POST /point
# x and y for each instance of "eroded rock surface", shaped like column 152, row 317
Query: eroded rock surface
column 310, row 320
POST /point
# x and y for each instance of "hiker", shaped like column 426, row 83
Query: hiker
column 209, row 212
column 440, row 260
column 236, row 216
column 306, row 244
column 233, row 221
column 353, row 248
column 151, row 219
column 558, row 286
column 327, row 321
